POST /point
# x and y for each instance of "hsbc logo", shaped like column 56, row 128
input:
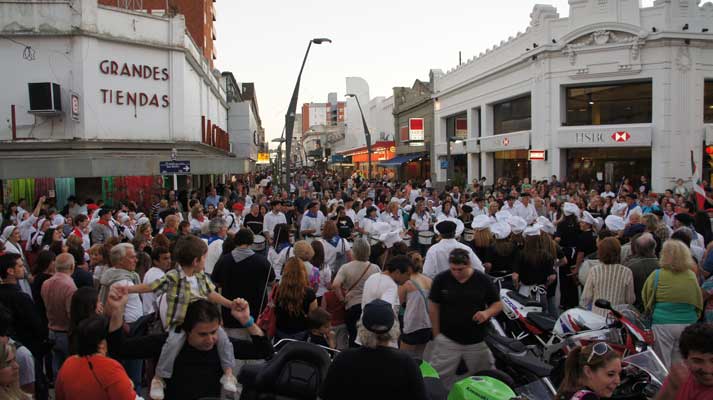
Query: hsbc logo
column 621, row 136
column 506, row 141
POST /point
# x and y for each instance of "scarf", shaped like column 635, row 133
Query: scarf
column 334, row 241
column 311, row 214
column 102, row 222
column 282, row 246
column 213, row 238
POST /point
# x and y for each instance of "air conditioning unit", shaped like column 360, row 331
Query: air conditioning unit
column 45, row 98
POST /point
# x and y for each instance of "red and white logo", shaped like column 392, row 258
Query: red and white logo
column 506, row 141
column 621, row 136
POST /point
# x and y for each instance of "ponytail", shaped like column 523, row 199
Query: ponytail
column 570, row 381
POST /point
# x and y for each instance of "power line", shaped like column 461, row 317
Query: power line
column 28, row 53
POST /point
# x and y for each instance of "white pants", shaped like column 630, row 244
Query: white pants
column 445, row 355
column 666, row 343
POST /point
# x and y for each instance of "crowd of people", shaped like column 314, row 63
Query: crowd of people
column 115, row 301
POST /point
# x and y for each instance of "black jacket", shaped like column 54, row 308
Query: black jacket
column 29, row 328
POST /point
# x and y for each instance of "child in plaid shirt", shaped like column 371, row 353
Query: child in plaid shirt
column 183, row 285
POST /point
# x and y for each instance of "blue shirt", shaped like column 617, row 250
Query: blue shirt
column 212, row 200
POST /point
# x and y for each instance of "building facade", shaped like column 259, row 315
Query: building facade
column 612, row 91
column 93, row 91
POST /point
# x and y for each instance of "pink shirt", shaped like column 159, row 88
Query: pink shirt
column 57, row 294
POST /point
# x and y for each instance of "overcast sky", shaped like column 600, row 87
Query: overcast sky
column 387, row 42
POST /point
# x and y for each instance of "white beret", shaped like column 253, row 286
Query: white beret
column 481, row 222
column 571, row 209
column 546, row 225
column 533, row 230
column 502, row 216
column 501, row 230
column 517, row 224
column 615, row 223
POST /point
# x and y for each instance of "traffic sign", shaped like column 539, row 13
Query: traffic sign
column 175, row 167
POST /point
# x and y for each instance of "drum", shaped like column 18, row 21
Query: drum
column 468, row 235
column 425, row 237
column 407, row 240
column 373, row 240
column 258, row 243
column 312, row 238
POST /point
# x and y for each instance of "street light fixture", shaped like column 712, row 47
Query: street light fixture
column 367, row 135
column 290, row 116
column 278, row 160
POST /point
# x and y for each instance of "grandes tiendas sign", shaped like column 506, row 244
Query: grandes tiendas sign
column 122, row 97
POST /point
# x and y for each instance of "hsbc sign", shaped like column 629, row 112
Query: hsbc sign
column 572, row 137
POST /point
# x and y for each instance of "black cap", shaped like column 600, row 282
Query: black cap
column 104, row 211
column 631, row 196
column 378, row 316
column 467, row 208
column 684, row 218
column 446, row 227
column 634, row 229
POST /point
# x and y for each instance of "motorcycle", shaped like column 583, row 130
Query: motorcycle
column 642, row 377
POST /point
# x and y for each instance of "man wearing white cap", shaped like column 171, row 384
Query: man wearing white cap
column 437, row 256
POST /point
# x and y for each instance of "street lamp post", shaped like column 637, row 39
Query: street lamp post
column 290, row 116
column 367, row 135
column 278, row 161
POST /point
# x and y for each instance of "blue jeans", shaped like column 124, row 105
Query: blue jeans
column 134, row 369
column 60, row 351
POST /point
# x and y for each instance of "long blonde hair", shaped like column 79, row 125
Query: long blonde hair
column 483, row 238
column 676, row 257
column 293, row 287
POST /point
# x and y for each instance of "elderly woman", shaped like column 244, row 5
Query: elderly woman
column 608, row 280
column 673, row 297
column 352, row 371
column 349, row 284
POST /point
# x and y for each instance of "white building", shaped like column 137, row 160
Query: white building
column 613, row 90
column 378, row 113
column 131, row 87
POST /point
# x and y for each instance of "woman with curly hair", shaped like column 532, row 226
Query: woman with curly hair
column 294, row 299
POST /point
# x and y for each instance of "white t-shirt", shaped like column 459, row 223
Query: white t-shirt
column 153, row 274
column 134, row 309
column 331, row 252
column 195, row 291
column 270, row 221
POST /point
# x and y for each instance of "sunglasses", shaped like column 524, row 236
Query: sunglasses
column 599, row 349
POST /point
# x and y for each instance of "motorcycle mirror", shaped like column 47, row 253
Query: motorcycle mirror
column 601, row 303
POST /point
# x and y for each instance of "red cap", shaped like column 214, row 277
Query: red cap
column 92, row 207
column 238, row 207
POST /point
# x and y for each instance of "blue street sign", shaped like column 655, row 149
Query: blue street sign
column 175, row 167
column 338, row 158
column 444, row 164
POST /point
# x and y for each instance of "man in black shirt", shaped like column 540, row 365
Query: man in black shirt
column 245, row 274
column 374, row 370
column 462, row 302
column 254, row 221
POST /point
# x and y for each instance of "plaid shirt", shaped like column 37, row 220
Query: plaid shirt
column 179, row 295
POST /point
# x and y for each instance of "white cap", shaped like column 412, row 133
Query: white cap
column 618, row 209
column 533, row 230
column 389, row 239
column 142, row 220
column 517, row 223
column 501, row 230
column 396, row 200
column 588, row 218
column 481, row 222
column 459, row 225
column 571, row 209
column 546, row 225
column 502, row 216
column 598, row 223
column 615, row 223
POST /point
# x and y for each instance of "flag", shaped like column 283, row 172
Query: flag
column 700, row 195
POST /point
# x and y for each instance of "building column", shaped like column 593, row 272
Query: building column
column 473, row 167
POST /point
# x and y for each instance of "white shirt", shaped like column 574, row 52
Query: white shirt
column 233, row 221
column 437, row 257
column 528, row 213
column 312, row 223
column 215, row 250
column 511, row 210
column 396, row 223
column 26, row 227
column 412, row 196
column 277, row 260
column 421, row 222
column 451, row 213
column 134, row 309
column 270, row 221
column 351, row 214
column 331, row 252
column 149, row 299
column 380, row 286
column 197, row 225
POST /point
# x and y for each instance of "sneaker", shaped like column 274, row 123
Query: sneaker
column 157, row 386
column 229, row 383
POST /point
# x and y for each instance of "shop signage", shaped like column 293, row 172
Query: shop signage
column 338, row 159
column 213, row 135
column 461, row 131
column 263, row 158
column 506, row 141
column 404, row 134
column 415, row 126
column 569, row 137
column 540, row 155
column 134, row 98
column 444, row 164
column 74, row 105
column 174, row 167
column 510, row 141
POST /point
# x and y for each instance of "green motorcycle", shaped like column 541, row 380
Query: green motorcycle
column 471, row 388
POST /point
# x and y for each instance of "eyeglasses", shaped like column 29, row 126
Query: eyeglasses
column 600, row 349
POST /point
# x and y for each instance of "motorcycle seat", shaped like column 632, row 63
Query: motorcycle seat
column 495, row 340
column 524, row 300
column 542, row 320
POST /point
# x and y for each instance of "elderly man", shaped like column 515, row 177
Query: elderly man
column 57, row 294
column 437, row 255
column 218, row 229
column 122, row 273
column 642, row 263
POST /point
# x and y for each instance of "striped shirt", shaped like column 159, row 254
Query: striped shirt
column 612, row 282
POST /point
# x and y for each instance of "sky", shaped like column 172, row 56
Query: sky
column 387, row 42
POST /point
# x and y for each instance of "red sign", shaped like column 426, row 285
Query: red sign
column 621, row 136
column 403, row 134
column 537, row 155
column 416, row 133
column 213, row 135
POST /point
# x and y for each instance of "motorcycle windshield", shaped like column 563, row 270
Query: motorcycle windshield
column 535, row 390
column 648, row 361
column 632, row 314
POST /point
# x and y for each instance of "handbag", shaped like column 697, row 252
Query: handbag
column 647, row 318
column 267, row 320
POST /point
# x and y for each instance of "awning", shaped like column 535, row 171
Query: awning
column 396, row 161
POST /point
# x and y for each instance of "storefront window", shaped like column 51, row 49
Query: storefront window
column 626, row 103
column 608, row 164
column 512, row 115
column 512, row 165
column 457, row 127
column 708, row 102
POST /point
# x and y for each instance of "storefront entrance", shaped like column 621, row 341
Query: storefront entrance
column 608, row 164
column 512, row 164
